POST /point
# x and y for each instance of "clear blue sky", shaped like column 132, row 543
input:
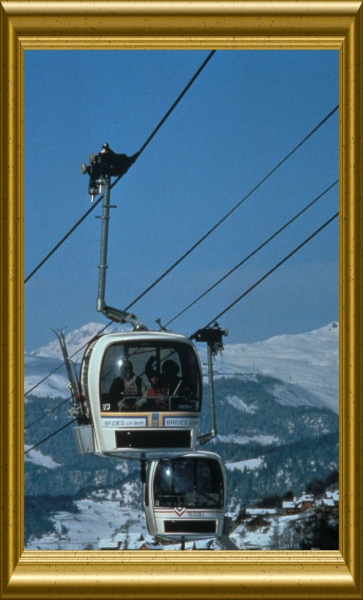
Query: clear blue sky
column 245, row 112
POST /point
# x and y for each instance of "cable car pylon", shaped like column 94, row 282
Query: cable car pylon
column 102, row 166
column 213, row 336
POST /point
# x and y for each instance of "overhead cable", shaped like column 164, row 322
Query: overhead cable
column 151, row 136
column 228, row 214
column 272, row 270
column 204, row 293
column 198, row 72
column 48, row 412
column 44, row 379
column 238, row 300
column 226, row 309
column 253, row 253
column 62, row 363
column 50, row 436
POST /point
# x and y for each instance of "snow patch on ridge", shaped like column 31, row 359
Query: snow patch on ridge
column 37, row 458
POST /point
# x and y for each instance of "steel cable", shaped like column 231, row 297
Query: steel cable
column 151, row 136
column 273, row 269
column 223, row 219
column 50, row 436
column 253, row 253
column 48, row 412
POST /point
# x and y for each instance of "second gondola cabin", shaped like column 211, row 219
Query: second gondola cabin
column 141, row 395
column 185, row 497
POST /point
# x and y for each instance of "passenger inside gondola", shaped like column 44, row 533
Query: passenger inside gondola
column 160, row 378
column 176, row 386
column 166, row 385
column 127, row 392
column 157, row 393
column 170, row 378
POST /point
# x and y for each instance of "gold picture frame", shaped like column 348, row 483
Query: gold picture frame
column 199, row 24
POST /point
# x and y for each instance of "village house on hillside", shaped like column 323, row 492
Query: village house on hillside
column 307, row 501
column 289, row 507
column 256, row 522
column 298, row 505
column 330, row 502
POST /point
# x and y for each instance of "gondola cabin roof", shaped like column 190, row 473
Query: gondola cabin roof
column 143, row 335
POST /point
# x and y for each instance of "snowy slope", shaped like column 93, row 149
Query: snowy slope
column 37, row 381
column 39, row 363
column 306, row 363
column 95, row 520
column 76, row 340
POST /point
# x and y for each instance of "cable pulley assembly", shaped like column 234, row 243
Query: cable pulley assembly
column 105, row 164
column 212, row 336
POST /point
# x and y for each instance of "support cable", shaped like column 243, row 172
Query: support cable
column 195, row 301
column 253, row 253
column 198, row 72
column 151, row 136
column 208, row 233
column 44, row 378
column 273, row 269
column 48, row 412
column 50, row 436
column 62, row 363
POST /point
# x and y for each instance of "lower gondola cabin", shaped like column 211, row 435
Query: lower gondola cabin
column 185, row 497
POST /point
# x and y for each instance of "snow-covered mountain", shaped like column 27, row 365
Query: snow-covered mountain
column 45, row 374
column 276, row 404
column 76, row 340
column 306, row 364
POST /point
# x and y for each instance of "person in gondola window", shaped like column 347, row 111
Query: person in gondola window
column 127, row 391
column 170, row 377
column 174, row 384
column 157, row 392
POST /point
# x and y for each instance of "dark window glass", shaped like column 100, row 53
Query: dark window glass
column 151, row 377
column 190, row 482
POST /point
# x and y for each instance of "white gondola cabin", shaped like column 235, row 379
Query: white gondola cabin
column 185, row 497
column 141, row 395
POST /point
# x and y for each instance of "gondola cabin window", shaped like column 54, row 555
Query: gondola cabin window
column 189, row 482
column 148, row 377
column 185, row 497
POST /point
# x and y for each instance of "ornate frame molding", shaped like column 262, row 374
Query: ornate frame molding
column 123, row 24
